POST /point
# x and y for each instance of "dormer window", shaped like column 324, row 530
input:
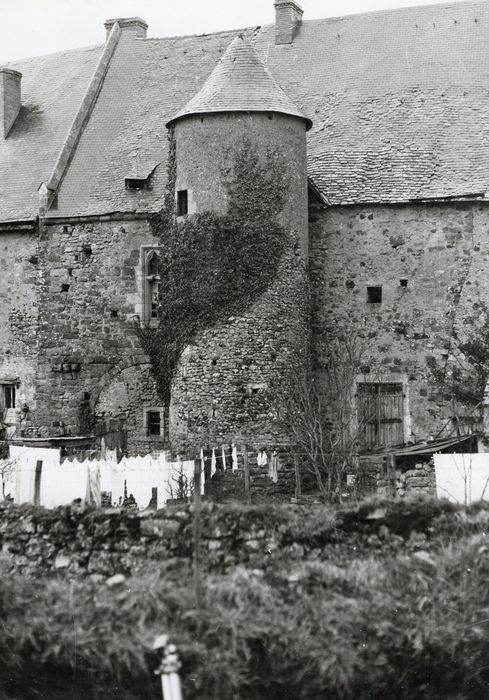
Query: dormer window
column 133, row 183
column 182, row 202
column 140, row 176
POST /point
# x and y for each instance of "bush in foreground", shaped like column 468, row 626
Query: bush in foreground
column 408, row 623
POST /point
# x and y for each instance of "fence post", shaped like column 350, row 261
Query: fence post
column 246, row 462
column 197, row 531
column 37, row 483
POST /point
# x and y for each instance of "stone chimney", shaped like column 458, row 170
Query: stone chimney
column 10, row 102
column 133, row 25
column 288, row 16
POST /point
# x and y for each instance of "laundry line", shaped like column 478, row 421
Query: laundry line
column 38, row 476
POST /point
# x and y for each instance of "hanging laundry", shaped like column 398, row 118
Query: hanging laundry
column 234, row 457
column 273, row 466
column 94, row 492
column 61, row 484
column 262, row 458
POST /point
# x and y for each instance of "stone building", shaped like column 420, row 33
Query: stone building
column 385, row 218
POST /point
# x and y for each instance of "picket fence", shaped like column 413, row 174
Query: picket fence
column 38, row 476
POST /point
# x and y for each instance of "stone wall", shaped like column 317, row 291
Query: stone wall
column 77, row 542
column 103, row 543
column 420, row 479
column 228, row 381
column 90, row 359
column 19, row 270
column 375, row 477
column 431, row 261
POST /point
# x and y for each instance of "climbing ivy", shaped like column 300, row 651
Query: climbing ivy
column 464, row 374
column 214, row 266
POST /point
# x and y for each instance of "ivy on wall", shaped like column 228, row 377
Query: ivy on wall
column 214, row 266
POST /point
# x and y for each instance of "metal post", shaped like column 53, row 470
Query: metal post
column 168, row 670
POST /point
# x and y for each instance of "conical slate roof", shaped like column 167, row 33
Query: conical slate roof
column 240, row 83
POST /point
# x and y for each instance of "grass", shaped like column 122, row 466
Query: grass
column 355, row 612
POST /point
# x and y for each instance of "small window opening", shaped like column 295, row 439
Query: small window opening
column 70, row 272
column 65, row 287
column 136, row 183
column 152, row 267
column 9, row 396
column 182, row 202
column 403, row 283
column 87, row 249
column 153, row 424
column 114, row 313
column 374, row 295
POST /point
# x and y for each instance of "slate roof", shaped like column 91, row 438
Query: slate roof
column 399, row 101
column 240, row 83
column 52, row 88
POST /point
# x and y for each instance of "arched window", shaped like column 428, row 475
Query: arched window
column 151, row 288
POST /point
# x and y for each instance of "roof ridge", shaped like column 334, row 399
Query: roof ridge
column 394, row 10
column 204, row 34
column 28, row 59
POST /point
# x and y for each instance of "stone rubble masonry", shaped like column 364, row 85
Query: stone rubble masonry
column 19, row 309
column 374, row 478
column 74, row 542
column 89, row 348
column 228, row 381
column 442, row 250
column 421, row 479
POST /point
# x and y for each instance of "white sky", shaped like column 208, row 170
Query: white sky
column 35, row 27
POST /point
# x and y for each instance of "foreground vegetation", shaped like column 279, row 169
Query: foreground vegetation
column 384, row 601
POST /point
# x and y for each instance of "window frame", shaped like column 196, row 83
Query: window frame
column 163, row 414
column 182, row 197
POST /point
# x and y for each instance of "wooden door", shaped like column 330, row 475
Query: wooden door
column 380, row 414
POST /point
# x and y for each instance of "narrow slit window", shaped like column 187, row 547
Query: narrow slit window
column 374, row 295
column 182, row 202
column 9, row 396
column 152, row 288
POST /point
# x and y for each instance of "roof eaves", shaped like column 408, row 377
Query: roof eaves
column 19, row 225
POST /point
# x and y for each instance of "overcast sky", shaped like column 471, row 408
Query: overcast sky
column 35, row 27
